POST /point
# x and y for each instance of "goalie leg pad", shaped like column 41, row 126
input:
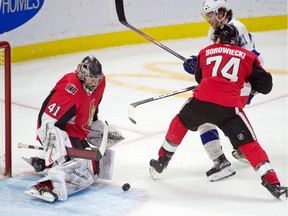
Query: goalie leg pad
column 71, row 177
column 107, row 165
column 57, row 176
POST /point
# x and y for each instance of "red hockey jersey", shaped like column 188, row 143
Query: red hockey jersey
column 70, row 105
column 222, row 70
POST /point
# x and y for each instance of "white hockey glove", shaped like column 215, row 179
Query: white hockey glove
column 96, row 132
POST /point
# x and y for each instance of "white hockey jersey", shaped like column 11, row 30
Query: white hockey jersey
column 245, row 38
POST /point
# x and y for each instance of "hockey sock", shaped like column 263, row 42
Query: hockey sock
column 176, row 131
column 259, row 161
column 210, row 140
column 271, row 177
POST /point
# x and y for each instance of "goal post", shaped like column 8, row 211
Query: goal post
column 5, row 107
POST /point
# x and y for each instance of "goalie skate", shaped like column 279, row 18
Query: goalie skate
column 221, row 169
column 42, row 193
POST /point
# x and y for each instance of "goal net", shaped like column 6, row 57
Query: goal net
column 5, row 107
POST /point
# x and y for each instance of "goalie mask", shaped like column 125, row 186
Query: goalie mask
column 89, row 72
column 228, row 34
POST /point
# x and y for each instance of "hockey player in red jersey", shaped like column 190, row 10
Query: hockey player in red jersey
column 69, row 118
column 216, row 13
column 221, row 72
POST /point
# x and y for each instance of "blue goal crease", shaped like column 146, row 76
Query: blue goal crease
column 99, row 199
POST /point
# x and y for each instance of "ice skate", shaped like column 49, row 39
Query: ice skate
column 157, row 167
column 276, row 190
column 41, row 192
column 238, row 155
column 221, row 169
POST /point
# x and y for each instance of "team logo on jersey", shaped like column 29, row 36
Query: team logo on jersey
column 91, row 116
column 71, row 88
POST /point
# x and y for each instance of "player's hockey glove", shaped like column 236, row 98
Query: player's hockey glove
column 251, row 95
column 190, row 64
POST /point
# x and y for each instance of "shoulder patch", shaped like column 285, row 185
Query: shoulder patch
column 71, row 88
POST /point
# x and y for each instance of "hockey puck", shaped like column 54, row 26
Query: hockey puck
column 126, row 187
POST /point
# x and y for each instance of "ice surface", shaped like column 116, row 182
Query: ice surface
column 135, row 73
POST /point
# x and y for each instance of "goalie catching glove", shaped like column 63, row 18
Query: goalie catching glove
column 96, row 133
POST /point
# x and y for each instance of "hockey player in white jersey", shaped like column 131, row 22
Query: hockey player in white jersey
column 217, row 12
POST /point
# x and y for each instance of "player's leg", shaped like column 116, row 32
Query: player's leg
column 173, row 138
column 63, row 180
column 242, row 136
column 211, row 142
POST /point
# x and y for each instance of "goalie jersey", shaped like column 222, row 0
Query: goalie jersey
column 70, row 105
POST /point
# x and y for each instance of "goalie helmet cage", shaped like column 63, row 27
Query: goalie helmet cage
column 5, row 105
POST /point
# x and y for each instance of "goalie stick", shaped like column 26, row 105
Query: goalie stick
column 122, row 19
column 132, row 106
column 94, row 154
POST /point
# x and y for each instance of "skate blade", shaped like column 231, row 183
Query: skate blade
column 284, row 196
column 225, row 173
column 153, row 173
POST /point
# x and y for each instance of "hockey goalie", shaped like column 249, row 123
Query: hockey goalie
column 69, row 118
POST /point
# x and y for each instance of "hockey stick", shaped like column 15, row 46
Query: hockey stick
column 71, row 152
column 22, row 145
column 122, row 19
column 94, row 154
column 132, row 106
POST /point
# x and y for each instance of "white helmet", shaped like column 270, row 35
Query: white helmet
column 213, row 6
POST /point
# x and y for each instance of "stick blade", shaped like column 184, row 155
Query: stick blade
column 131, row 111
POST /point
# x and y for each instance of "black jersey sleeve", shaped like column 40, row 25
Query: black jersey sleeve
column 260, row 80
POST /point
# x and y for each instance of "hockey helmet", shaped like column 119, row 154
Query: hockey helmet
column 90, row 67
column 228, row 34
column 213, row 6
